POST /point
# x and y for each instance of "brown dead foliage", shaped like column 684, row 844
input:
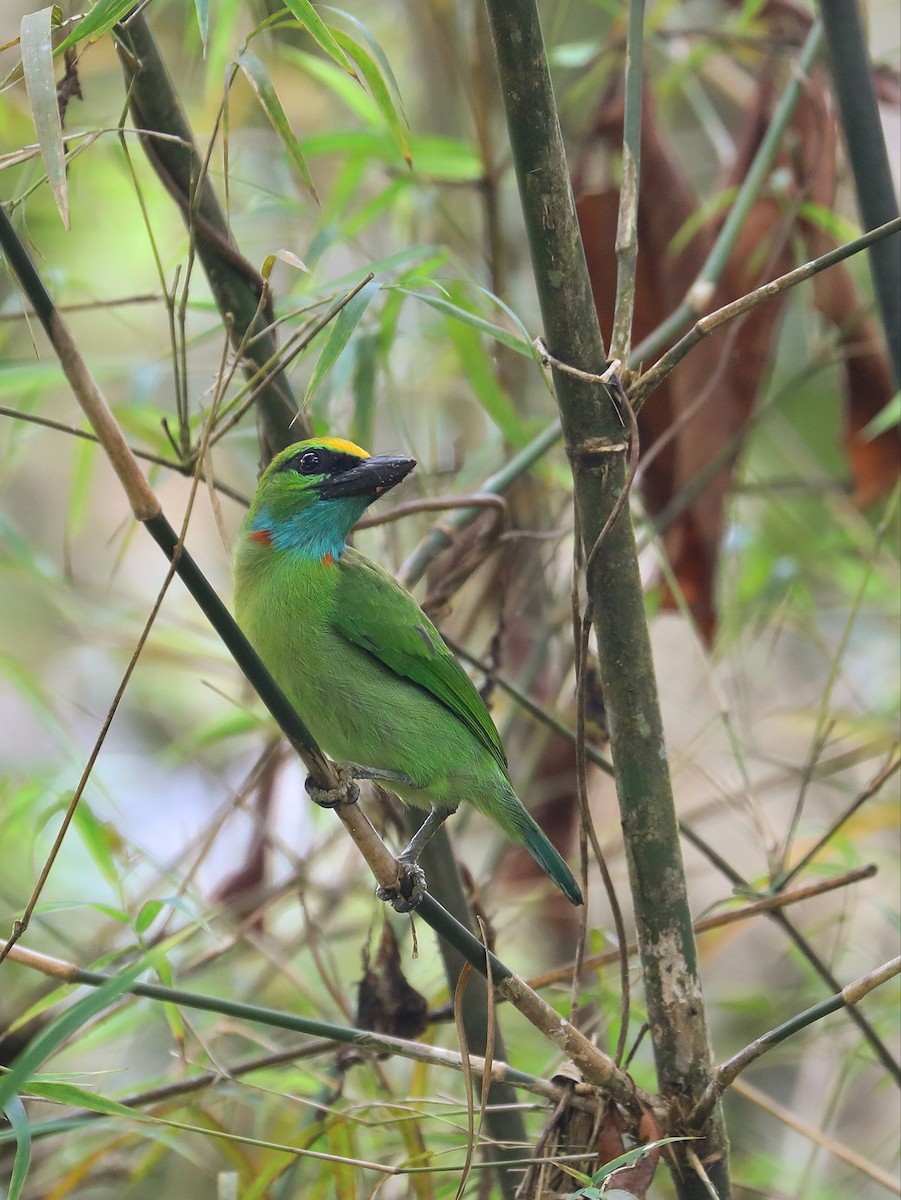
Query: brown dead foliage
column 693, row 427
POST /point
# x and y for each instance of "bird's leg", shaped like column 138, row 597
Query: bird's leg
column 407, row 894
column 424, row 834
column 347, row 791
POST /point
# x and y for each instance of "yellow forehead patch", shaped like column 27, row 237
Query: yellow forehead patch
column 344, row 446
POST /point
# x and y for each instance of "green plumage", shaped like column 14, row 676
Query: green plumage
column 366, row 669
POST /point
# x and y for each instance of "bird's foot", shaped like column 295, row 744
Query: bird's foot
column 346, row 792
column 408, row 892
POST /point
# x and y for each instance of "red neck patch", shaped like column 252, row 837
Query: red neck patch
column 262, row 537
column 328, row 560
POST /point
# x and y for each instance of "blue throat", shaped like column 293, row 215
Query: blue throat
column 315, row 532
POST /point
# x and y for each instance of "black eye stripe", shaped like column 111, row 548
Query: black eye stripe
column 321, row 461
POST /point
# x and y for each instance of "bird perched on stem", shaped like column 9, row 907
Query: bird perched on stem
column 367, row 671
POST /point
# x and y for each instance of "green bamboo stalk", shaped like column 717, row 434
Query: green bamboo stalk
column 597, row 454
column 852, row 75
column 237, row 286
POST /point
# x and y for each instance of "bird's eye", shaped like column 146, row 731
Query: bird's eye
column 308, row 463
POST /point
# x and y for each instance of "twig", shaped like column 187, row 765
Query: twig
column 880, row 1049
column 836, row 1149
column 183, row 468
column 706, row 924
column 441, row 535
column 848, row 996
column 364, row 1039
column 627, row 218
column 873, row 788
column 651, row 378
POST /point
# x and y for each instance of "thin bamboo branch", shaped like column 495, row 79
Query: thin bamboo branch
column 719, row 921
column 183, row 468
column 646, row 383
column 872, row 789
column 849, row 995
column 836, row 1149
column 441, row 535
column 627, row 219
column 880, row 1049
column 332, row 1034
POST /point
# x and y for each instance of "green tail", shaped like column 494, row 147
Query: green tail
column 521, row 828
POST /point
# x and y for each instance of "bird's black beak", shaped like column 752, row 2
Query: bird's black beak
column 370, row 477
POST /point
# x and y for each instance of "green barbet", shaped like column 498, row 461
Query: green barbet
column 367, row 671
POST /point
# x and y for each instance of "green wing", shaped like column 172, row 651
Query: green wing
column 374, row 612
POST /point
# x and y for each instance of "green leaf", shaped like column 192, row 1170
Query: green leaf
column 51, row 1038
column 519, row 344
column 103, row 16
column 18, row 1120
column 258, row 78
column 339, row 335
column 202, row 9
column 307, row 15
column 482, row 379
column 77, row 1097
column 152, row 908
column 85, row 458
column 888, row 418
column 40, row 83
column 100, row 838
column 343, row 86
column 391, row 112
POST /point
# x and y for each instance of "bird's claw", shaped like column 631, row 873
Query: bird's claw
column 409, row 890
column 346, row 792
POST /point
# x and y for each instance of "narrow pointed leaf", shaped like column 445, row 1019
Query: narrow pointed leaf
column 391, row 113
column 380, row 62
column 103, row 16
column 202, row 9
column 258, row 78
column 51, row 1038
column 78, row 1097
column 18, row 1120
column 345, row 87
column 520, row 345
column 40, row 83
column 304, row 11
column 339, row 335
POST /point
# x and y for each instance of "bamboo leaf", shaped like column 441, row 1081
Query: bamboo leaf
column 339, row 335
column 519, row 344
column 49, row 1039
column 18, row 1121
column 340, row 83
column 258, row 78
column 151, row 909
column 324, row 37
column 202, row 10
column 390, row 111
column 490, row 395
column 40, row 83
column 77, row 1097
column 888, row 418
column 102, row 17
